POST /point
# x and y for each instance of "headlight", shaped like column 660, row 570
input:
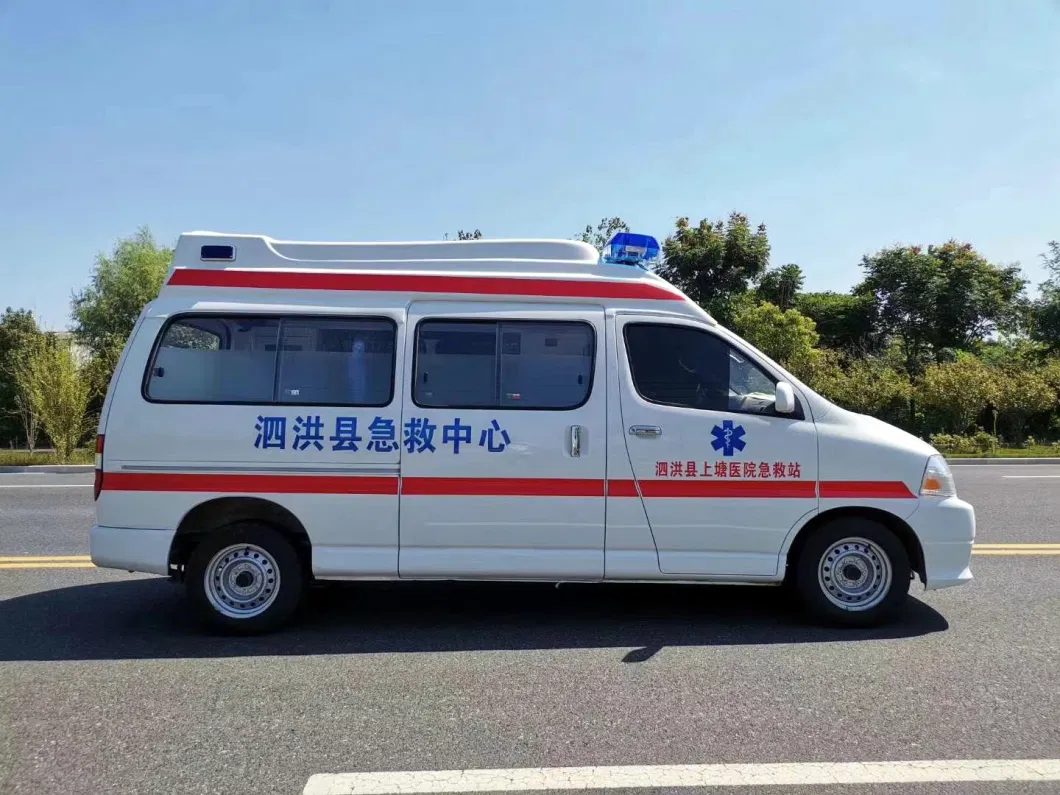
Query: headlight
column 938, row 480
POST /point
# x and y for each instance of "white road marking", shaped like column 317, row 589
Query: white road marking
column 1029, row 477
column 732, row 775
column 1010, row 467
column 49, row 486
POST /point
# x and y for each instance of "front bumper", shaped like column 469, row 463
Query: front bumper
column 131, row 548
column 946, row 529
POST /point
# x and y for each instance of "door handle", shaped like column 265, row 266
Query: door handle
column 645, row 430
column 575, row 441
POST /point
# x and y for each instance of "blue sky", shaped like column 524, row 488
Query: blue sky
column 844, row 126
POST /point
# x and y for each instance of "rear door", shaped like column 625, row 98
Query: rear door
column 723, row 478
column 297, row 409
column 503, row 445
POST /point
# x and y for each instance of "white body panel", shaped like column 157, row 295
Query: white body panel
column 716, row 511
column 520, row 500
column 196, row 453
column 546, row 519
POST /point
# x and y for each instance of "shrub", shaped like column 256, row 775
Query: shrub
column 985, row 442
column 954, row 394
column 956, row 444
column 952, row 443
column 867, row 386
column 1020, row 393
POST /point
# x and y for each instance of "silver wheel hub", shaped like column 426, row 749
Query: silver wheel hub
column 855, row 574
column 242, row 581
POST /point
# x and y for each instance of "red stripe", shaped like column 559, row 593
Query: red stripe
column 763, row 489
column 407, row 283
column 502, row 487
column 865, row 489
column 622, row 488
column 249, row 484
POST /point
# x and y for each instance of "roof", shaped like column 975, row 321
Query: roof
column 525, row 269
column 262, row 252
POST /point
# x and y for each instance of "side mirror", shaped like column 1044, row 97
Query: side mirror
column 785, row 398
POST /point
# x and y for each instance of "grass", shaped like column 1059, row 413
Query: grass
column 23, row 458
column 1035, row 451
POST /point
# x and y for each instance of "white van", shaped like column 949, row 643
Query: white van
column 497, row 410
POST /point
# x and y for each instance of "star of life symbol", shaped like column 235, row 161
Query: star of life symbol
column 728, row 438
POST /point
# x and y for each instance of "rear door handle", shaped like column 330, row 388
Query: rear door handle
column 575, row 441
column 645, row 430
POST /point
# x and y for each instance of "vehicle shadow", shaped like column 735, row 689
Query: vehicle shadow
column 148, row 619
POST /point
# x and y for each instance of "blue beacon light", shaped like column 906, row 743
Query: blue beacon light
column 627, row 248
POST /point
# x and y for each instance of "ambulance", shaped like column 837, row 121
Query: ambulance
column 293, row 412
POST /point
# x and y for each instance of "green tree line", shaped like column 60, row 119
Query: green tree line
column 933, row 338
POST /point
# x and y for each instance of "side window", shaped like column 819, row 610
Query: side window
column 746, row 379
column 215, row 360
column 690, row 368
column 268, row 360
column 336, row 362
column 508, row 364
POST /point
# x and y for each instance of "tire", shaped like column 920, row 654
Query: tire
column 853, row 573
column 245, row 579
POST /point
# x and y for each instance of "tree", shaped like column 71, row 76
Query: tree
column 844, row 322
column 462, row 235
column 122, row 284
column 781, row 286
column 955, row 393
column 1046, row 310
column 1051, row 258
column 787, row 337
column 1012, row 351
column 715, row 263
column 54, row 386
column 605, row 230
column 18, row 331
column 947, row 297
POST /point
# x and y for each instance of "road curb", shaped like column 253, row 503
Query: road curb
column 48, row 469
column 1004, row 461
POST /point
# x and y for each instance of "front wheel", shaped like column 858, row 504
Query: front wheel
column 246, row 578
column 853, row 572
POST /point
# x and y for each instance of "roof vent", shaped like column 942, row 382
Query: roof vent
column 217, row 253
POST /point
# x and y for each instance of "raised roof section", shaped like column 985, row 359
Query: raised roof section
column 258, row 251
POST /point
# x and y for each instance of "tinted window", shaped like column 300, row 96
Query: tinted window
column 682, row 366
column 306, row 361
column 336, row 362
column 508, row 364
column 215, row 360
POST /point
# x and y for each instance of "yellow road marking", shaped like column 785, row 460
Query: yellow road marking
column 1017, row 546
column 47, row 562
column 44, row 558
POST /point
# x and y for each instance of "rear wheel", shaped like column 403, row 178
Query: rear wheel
column 246, row 578
column 853, row 572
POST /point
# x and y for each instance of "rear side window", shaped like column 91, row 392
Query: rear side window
column 266, row 360
column 336, row 362
column 506, row 364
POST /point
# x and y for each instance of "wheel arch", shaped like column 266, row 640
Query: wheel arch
column 214, row 514
column 901, row 529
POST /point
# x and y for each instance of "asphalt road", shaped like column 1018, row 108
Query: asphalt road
column 105, row 685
